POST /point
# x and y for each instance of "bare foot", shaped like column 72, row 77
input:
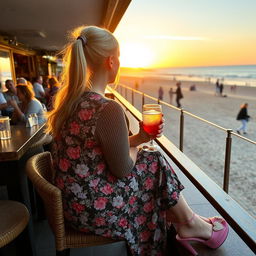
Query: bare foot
column 196, row 227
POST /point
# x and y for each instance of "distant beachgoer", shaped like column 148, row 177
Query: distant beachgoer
column 244, row 118
column 136, row 85
column 179, row 94
column 160, row 93
column 171, row 92
column 192, row 87
column 217, row 88
column 221, row 88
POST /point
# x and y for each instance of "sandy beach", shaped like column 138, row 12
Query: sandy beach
column 205, row 144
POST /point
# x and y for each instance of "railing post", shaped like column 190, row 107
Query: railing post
column 181, row 129
column 227, row 161
column 143, row 100
column 125, row 92
column 132, row 97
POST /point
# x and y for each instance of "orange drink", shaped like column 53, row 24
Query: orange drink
column 152, row 118
column 151, row 121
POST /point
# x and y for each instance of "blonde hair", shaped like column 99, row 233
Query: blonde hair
column 82, row 57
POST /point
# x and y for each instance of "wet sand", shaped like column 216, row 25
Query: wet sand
column 205, row 144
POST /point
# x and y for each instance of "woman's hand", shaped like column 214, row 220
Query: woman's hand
column 142, row 136
column 146, row 137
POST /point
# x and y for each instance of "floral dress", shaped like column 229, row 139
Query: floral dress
column 132, row 208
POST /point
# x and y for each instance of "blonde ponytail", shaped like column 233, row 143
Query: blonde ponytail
column 81, row 58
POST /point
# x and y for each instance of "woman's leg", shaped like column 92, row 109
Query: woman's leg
column 241, row 126
column 181, row 216
column 244, row 122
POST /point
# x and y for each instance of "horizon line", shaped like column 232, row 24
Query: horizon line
column 225, row 65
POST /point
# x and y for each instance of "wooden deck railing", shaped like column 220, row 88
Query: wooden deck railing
column 242, row 222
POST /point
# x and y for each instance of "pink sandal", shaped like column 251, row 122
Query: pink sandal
column 219, row 234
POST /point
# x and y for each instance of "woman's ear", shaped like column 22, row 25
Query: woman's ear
column 109, row 62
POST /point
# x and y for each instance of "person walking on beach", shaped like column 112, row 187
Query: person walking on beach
column 171, row 92
column 244, row 118
column 179, row 94
column 160, row 93
column 217, row 88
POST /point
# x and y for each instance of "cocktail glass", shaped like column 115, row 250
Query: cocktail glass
column 152, row 118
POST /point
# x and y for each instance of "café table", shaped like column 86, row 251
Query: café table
column 14, row 153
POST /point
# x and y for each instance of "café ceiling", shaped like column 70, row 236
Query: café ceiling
column 44, row 24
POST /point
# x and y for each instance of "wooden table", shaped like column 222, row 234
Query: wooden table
column 22, row 139
column 14, row 153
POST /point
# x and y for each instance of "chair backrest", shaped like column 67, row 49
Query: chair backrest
column 40, row 171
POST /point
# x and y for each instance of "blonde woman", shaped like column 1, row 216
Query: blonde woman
column 109, row 187
column 28, row 105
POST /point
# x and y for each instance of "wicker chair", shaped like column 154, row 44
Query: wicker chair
column 40, row 171
column 14, row 218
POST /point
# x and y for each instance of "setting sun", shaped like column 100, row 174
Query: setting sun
column 135, row 55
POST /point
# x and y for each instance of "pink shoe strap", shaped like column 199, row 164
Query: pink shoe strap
column 178, row 224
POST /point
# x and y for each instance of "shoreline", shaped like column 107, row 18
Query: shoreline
column 239, row 75
column 203, row 86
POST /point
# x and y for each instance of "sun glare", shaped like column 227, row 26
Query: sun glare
column 135, row 56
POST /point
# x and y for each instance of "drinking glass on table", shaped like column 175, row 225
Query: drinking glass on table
column 152, row 118
column 5, row 129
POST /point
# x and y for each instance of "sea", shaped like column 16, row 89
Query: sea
column 243, row 75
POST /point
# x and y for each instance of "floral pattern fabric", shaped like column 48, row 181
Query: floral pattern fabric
column 132, row 208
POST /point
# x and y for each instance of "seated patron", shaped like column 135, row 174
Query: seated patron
column 52, row 90
column 3, row 103
column 109, row 186
column 21, row 80
column 39, row 89
column 28, row 105
column 10, row 94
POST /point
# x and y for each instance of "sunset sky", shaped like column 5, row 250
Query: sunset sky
column 175, row 33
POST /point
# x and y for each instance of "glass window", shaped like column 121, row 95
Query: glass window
column 5, row 68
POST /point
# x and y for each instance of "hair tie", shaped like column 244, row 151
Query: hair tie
column 83, row 39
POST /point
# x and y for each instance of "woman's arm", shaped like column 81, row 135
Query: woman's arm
column 18, row 114
column 112, row 135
